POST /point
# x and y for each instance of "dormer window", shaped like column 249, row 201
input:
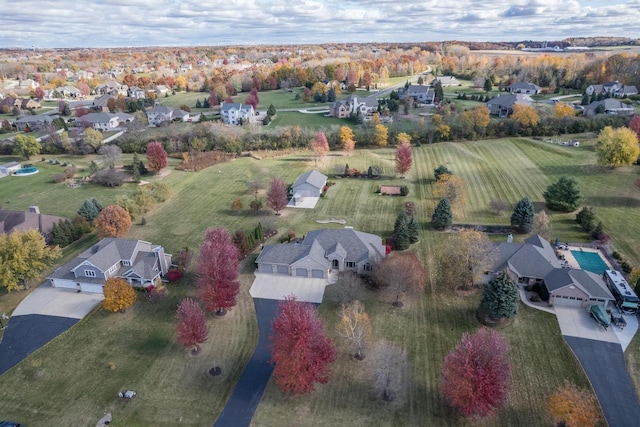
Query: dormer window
column 126, row 262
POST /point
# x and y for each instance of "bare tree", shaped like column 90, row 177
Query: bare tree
column 110, row 154
column 498, row 206
column 464, row 257
column 348, row 287
column 541, row 225
column 354, row 326
column 390, row 371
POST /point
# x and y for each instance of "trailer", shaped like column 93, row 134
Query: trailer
column 618, row 320
column 600, row 315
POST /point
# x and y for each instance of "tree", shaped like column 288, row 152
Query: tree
column 39, row 92
column 571, row 407
column 525, row 115
column 26, row 146
column 401, row 239
column 217, row 271
column 113, row 221
column 617, row 147
column 90, row 209
column 390, row 372
column 452, row 188
column 413, row 229
column 400, row 273
column 192, row 327
column 319, row 145
column 346, row 134
column 500, row 298
column 137, row 167
column 156, row 156
column 475, row 375
column 563, row 195
column 241, row 241
column 301, row 350
column 271, row 111
column 236, row 205
column 354, row 327
column 522, row 217
column 404, row 157
column 252, row 100
column 488, row 85
column 110, row 177
column 277, row 195
column 562, row 109
column 586, row 218
column 93, row 138
column 634, row 125
column 118, row 294
column 463, row 259
column 110, row 154
column 442, row 217
column 441, row 170
column 438, row 92
column 541, row 225
column 348, row 287
column 24, row 254
column 381, row 136
column 498, row 206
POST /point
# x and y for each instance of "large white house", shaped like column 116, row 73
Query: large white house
column 105, row 121
column 161, row 114
column 234, row 113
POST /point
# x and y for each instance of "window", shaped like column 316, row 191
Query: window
column 367, row 267
column 350, row 264
column 90, row 273
column 126, row 262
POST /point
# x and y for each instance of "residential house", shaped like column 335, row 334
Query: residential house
column 9, row 168
column 234, row 113
column 69, row 92
column 161, row 114
column 136, row 93
column 523, row 87
column 615, row 89
column 105, row 121
column 101, row 103
column 445, row 81
column 352, row 105
column 309, row 184
column 161, row 90
column 138, row 262
column 29, row 104
column 37, row 122
column 608, row 106
column 185, row 68
column 323, row 252
column 11, row 221
column 28, row 84
column 11, row 102
column 420, row 93
column 502, row 105
column 111, row 88
column 535, row 261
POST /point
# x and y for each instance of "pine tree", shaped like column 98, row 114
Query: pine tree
column 58, row 236
column 97, row 205
column 401, row 237
column 585, row 99
column 198, row 103
column 271, row 111
column 522, row 217
column 88, row 210
column 136, row 168
column 414, row 229
column 442, row 217
column 500, row 297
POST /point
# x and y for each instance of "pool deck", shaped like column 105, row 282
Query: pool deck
column 573, row 263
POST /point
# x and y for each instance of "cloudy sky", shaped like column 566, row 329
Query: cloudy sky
column 110, row 23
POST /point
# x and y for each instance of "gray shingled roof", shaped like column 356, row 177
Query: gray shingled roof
column 312, row 177
column 356, row 244
column 503, row 100
column 283, row 253
column 524, row 85
column 608, row 104
column 589, row 282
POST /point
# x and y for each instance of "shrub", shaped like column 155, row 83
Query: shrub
column 616, row 255
column 625, row 267
column 59, row 177
column 174, row 275
column 404, row 190
column 70, row 171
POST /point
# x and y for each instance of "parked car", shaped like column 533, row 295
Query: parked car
column 11, row 424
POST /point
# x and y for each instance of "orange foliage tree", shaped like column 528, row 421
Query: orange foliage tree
column 571, row 406
column 118, row 295
column 112, row 221
column 525, row 115
column 562, row 109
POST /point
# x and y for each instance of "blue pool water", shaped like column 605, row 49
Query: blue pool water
column 590, row 261
column 26, row 171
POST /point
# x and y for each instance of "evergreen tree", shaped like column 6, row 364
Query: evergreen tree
column 198, row 103
column 598, row 230
column 563, row 196
column 414, row 229
column 324, row 97
column 88, row 210
column 135, row 169
column 317, row 97
column 58, row 236
column 439, row 93
column 585, row 99
column 500, row 298
column 271, row 111
column 97, row 205
column 401, row 239
column 488, row 86
column 586, row 218
column 441, row 170
column 522, row 217
column 331, row 95
column 206, row 104
column 442, row 217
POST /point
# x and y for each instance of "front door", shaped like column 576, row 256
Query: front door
column 335, row 264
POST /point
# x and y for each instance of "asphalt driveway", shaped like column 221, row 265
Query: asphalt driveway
column 603, row 362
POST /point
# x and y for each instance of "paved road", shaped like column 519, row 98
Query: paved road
column 603, row 362
column 248, row 392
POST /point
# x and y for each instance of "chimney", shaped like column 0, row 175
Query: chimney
column 510, row 238
column 34, row 209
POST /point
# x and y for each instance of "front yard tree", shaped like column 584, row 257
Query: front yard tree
column 319, row 145
column 400, row 273
column 563, row 195
column 476, row 374
column 401, row 238
column 26, row 146
column 525, row 115
column 381, row 135
column 217, row 271
column 390, row 370
column 348, row 287
column 156, row 157
column 277, row 195
column 522, row 217
column 570, row 406
column 442, row 217
column 464, row 257
column 113, row 221
column 192, row 327
column 404, row 158
column 118, row 295
column 355, row 327
column 617, row 147
column 500, row 298
column 301, row 350
column 23, row 254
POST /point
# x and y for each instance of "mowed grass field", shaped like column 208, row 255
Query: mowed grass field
column 174, row 387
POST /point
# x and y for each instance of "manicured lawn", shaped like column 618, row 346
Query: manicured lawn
column 310, row 120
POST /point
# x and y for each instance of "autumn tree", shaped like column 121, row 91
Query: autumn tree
column 236, row 205
column 24, row 254
column 400, row 274
column 562, row 109
column 522, row 216
column 156, row 156
column 346, row 134
column 319, row 145
column 404, row 158
column 571, row 406
column 464, row 257
column 192, row 327
column 500, row 299
column 390, row 370
column 563, row 195
column 634, row 125
column 475, row 375
column 93, row 138
column 478, row 117
column 277, row 195
column 541, row 225
column 442, row 217
column 617, row 147
column 26, row 146
column 452, row 188
column 440, row 171
column 217, row 271
column 525, row 115
column 301, row 350
column 118, row 295
column 354, row 326
column 113, row 221
column 381, row 135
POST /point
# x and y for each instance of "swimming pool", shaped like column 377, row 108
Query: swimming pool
column 590, row 261
column 26, row 171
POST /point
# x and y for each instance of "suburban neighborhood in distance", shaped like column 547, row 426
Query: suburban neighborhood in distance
column 311, row 228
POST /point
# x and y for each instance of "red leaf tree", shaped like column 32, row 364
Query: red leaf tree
column 401, row 273
column 404, row 158
column 277, row 195
column 192, row 326
column 476, row 374
column 252, row 100
column 156, row 156
column 634, row 125
column 301, row 350
column 217, row 271
column 319, row 145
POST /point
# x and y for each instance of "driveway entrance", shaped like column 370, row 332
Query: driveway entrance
column 279, row 286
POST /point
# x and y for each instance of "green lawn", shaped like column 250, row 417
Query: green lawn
column 171, row 384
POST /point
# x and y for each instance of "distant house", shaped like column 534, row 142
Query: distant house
column 615, row 89
column 139, row 263
column 101, row 103
column 234, row 113
column 9, row 168
column 11, row 102
column 309, row 184
column 323, row 252
column 502, row 105
column 445, row 81
column 105, row 121
column 32, row 219
column 136, row 93
column 28, row 84
column 522, row 87
column 608, row 106
column 352, row 105
column 37, row 122
column 111, row 88
column 29, row 104
column 161, row 90
column 419, row 93
column 161, row 114
column 69, row 92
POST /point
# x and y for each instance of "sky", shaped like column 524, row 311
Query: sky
column 115, row 23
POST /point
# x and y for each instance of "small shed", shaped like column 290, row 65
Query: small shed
column 9, row 168
column 309, row 184
column 391, row 190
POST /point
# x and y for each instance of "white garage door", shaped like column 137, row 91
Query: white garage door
column 266, row 268
column 61, row 283
column 91, row 287
column 568, row 301
column 283, row 269
column 301, row 272
column 317, row 273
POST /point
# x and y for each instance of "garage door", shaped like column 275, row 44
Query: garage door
column 568, row 301
column 266, row 268
column 317, row 273
column 301, row 272
column 91, row 287
column 283, row 269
